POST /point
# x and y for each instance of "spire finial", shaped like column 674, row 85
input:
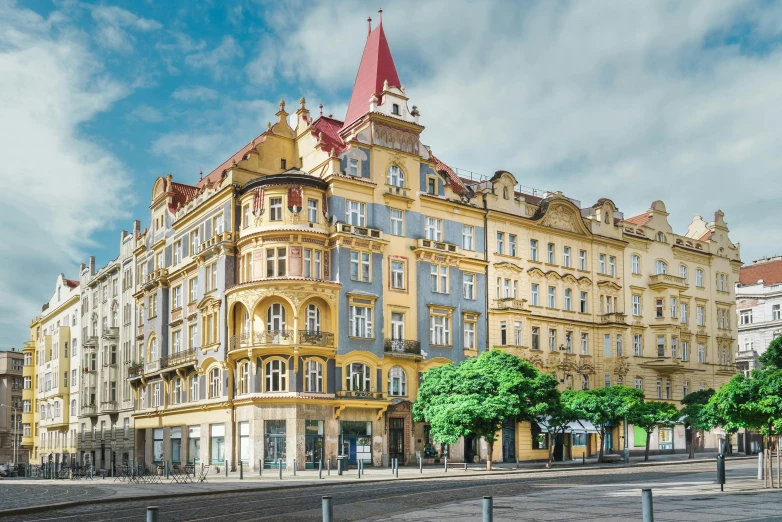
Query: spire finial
column 321, row 109
column 201, row 175
column 369, row 25
column 381, row 14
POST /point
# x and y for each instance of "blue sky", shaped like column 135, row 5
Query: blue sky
column 637, row 101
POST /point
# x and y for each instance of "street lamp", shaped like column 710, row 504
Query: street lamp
column 13, row 421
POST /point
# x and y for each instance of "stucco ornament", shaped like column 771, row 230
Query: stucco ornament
column 561, row 219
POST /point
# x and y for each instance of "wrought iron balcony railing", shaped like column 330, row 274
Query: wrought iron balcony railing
column 175, row 359
column 316, row 338
column 407, row 346
column 359, row 394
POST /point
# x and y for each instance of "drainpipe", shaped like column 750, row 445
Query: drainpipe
column 486, row 274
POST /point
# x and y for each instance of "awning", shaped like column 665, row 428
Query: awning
column 588, row 427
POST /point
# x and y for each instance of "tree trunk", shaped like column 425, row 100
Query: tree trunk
column 550, row 454
column 693, row 438
column 646, row 454
column 602, row 446
column 728, row 445
column 489, row 451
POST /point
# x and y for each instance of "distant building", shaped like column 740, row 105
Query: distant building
column 11, row 385
column 759, row 309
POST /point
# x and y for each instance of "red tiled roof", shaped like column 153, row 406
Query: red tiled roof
column 71, row 283
column 217, row 173
column 706, row 236
column 640, row 220
column 376, row 67
column 770, row 272
column 182, row 194
column 453, row 180
column 328, row 129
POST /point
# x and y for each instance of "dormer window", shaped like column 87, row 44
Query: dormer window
column 505, row 193
column 431, row 186
column 660, row 237
column 395, row 109
column 353, row 167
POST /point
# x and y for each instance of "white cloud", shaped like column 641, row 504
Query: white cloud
column 147, row 114
column 633, row 101
column 218, row 60
column 194, row 94
column 59, row 187
column 113, row 25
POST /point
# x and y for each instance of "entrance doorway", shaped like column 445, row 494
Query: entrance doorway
column 559, row 447
column 313, row 443
column 357, row 441
column 609, row 441
column 509, row 440
column 396, row 439
column 470, row 449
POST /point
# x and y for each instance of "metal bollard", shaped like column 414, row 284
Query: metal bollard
column 279, row 466
column 488, row 509
column 328, row 467
column 358, row 467
column 584, row 458
column 721, row 471
column 339, row 466
column 420, row 465
column 465, row 465
column 241, row 470
column 760, row 465
column 392, row 466
column 320, row 469
column 446, row 464
column 152, row 514
column 260, row 467
column 294, row 467
column 646, row 504
column 396, row 469
column 328, row 509
column 226, row 470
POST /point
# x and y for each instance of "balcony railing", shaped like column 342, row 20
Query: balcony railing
column 438, row 245
column 667, row 280
column 89, row 409
column 405, row 346
column 359, row 394
column 140, row 331
column 108, row 406
column 509, row 304
column 613, row 317
column 316, row 338
column 111, row 331
column 136, row 369
column 360, row 231
column 273, row 337
column 175, row 359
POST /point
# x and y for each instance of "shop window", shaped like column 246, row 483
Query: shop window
column 274, row 454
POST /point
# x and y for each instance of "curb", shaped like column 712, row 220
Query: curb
column 108, row 500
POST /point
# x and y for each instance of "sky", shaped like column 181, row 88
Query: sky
column 635, row 101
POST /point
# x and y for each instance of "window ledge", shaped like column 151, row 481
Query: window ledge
column 360, row 338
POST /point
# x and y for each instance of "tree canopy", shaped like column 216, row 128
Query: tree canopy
column 772, row 357
column 475, row 397
column 653, row 414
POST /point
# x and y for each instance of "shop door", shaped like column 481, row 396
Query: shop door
column 396, row 439
column 509, row 440
column 470, row 449
column 559, row 448
column 609, row 444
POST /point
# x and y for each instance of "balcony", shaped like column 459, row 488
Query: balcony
column 509, row 303
column 367, row 232
column 316, row 338
column 109, row 407
column 91, row 342
column 89, row 410
column 136, row 369
column 359, row 394
column 271, row 337
column 111, row 332
column 179, row 358
column 662, row 281
column 213, row 241
column 437, row 245
column 402, row 346
column 613, row 318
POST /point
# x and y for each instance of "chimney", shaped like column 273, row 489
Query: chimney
column 92, row 265
column 136, row 227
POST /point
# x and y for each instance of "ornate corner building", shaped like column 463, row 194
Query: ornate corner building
column 282, row 309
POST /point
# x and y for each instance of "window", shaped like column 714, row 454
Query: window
column 246, row 216
column 312, row 263
column 397, row 275
column 659, row 307
column 701, row 315
column 439, row 278
column 283, row 163
column 357, row 377
column 276, row 373
column 360, row 266
column 602, row 263
column 512, row 245
column 154, row 352
column 500, row 243
column 176, row 395
column 701, row 353
column 276, row 262
column 584, row 344
column 353, row 167
column 313, row 318
column 361, row 321
column 659, row 388
column 397, row 382
column 468, row 237
column 395, row 108
column 584, row 381
column 745, row 316
column 582, row 260
column 176, row 297
column 699, row 278
column 660, row 267
column 685, row 351
column 674, row 347
column 568, row 299
column 313, row 376
column 192, row 333
column 638, row 347
column 518, row 339
column 217, row 224
column 674, row 308
column 550, row 258
column 685, row 388
column 503, row 333
column 684, row 309
column 157, row 399
column 533, row 249
column 275, row 209
column 639, row 383
column 356, row 213
column 607, row 380
column 176, row 341
column 397, row 222
column 607, row 345
column 194, row 444
column 312, row 210
column 775, row 312
column 431, row 185
column 535, row 338
column 635, row 264
column 619, row 348
column 177, row 253
column 194, row 388
column 217, row 437
column 552, row 339
column 534, row 294
column 468, row 286
column 568, row 342
column 214, row 383
column 397, row 330
column 612, row 266
column 683, row 272
column 660, row 346
column 440, row 328
column 583, row 303
column 396, row 177
column 433, row 229
column 211, row 277
column 636, row 305
column 552, row 299
column 668, row 389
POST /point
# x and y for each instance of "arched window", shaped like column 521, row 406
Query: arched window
column 396, row 177
column 275, row 376
column 244, row 378
column 504, row 192
column 397, row 382
column 584, row 381
column 214, row 383
column 275, row 322
column 115, row 317
column 357, row 377
column 154, row 351
column 635, row 263
column 194, row 388
column 660, row 237
column 94, row 325
column 246, row 325
column 314, row 376
column 177, row 392
column 313, row 318
column 660, row 267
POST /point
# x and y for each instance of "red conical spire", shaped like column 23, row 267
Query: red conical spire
column 376, row 67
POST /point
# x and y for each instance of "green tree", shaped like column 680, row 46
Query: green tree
column 603, row 407
column 556, row 422
column 475, row 397
column 772, row 357
column 653, row 414
column 695, row 417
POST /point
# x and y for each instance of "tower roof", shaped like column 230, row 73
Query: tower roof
column 376, row 67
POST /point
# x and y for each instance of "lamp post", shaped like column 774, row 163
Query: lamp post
column 13, row 421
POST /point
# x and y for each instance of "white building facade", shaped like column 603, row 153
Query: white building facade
column 759, row 309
